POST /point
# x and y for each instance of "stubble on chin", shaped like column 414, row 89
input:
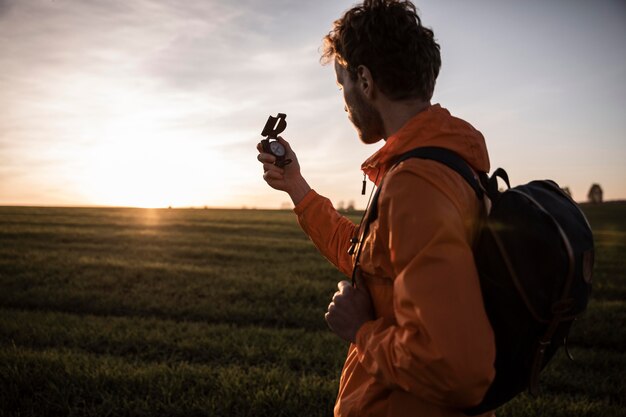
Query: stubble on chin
column 367, row 120
column 372, row 130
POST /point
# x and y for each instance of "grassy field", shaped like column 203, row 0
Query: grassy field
column 220, row 312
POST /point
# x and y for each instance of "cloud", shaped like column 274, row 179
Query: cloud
column 5, row 6
column 203, row 76
column 197, row 80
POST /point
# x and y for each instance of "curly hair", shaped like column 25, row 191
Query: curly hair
column 388, row 38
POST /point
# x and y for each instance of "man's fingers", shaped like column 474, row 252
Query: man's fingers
column 340, row 297
column 344, row 285
column 272, row 175
column 266, row 158
column 271, row 167
column 329, row 320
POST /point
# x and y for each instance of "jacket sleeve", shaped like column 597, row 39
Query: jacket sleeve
column 329, row 230
column 440, row 347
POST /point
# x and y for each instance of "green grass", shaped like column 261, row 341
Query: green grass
column 220, row 312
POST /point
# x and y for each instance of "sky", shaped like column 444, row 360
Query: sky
column 157, row 103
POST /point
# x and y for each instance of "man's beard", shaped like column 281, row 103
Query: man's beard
column 367, row 120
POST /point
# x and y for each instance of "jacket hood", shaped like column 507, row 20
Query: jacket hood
column 434, row 126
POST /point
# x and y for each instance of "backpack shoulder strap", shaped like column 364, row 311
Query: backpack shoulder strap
column 448, row 158
column 441, row 155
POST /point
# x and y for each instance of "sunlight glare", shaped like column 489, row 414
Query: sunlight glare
column 136, row 162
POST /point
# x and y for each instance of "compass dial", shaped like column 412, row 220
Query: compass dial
column 277, row 148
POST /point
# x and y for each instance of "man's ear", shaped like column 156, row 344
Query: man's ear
column 365, row 81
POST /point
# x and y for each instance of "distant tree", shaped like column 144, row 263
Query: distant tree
column 567, row 191
column 341, row 206
column 595, row 194
column 285, row 205
column 350, row 206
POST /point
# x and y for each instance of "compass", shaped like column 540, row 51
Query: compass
column 273, row 127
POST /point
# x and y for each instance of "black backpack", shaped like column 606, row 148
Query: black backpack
column 534, row 256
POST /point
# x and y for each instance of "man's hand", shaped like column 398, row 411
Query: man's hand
column 349, row 310
column 288, row 178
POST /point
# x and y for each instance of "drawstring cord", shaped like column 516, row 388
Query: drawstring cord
column 356, row 242
column 364, row 185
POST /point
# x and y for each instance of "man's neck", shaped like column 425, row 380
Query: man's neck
column 396, row 114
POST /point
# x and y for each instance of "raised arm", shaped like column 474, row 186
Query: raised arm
column 327, row 228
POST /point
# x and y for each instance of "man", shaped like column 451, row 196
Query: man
column 421, row 343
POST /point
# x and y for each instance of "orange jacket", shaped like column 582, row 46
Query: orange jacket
column 430, row 351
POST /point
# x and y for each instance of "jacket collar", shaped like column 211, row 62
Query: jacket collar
column 434, row 126
column 377, row 165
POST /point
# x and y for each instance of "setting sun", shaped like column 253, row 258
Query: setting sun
column 131, row 152
column 140, row 167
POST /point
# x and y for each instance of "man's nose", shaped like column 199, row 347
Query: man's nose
column 345, row 108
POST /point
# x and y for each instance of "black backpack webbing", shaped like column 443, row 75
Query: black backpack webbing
column 442, row 155
column 480, row 185
column 451, row 160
